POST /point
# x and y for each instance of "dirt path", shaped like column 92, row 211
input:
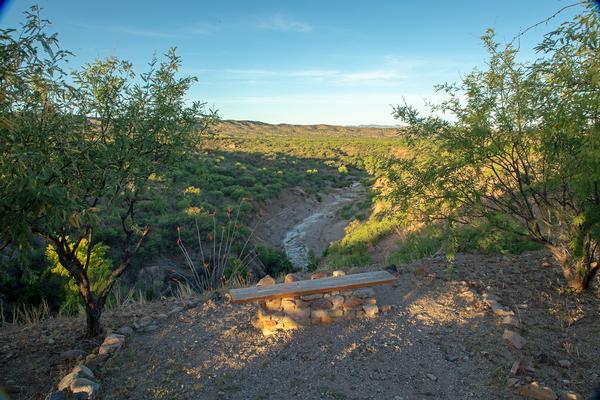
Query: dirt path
column 300, row 223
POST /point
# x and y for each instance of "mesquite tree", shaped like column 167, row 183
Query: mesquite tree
column 524, row 142
column 75, row 148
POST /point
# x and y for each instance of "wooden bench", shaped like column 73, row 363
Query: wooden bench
column 317, row 301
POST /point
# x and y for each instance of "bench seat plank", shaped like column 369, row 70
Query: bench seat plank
column 323, row 285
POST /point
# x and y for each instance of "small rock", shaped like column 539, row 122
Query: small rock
column 432, row 377
column 320, row 275
column 570, row 396
column 82, row 371
column 82, row 385
column 73, row 354
column 321, row 304
column 289, row 278
column 125, row 330
column 514, row 370
column 338, row 273
column 161, row 316
column 498, row 309
column 534, row 390
column 510, row 320
column 516, row 340
column 266, row 281
column 564, row 363
column 370, row 310
column 385, row 308
column 66, row 381
column 546, row 264
column 511, row 382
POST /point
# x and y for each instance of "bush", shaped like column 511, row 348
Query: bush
column 275, row 261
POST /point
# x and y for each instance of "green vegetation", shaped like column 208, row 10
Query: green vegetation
column 525, row 143
column 74, row 152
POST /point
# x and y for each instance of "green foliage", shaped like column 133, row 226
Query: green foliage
column 352, row 249
column 480, row 236
column 275, row 261
column 98, row 271
column 524, row 142
column 76, row 148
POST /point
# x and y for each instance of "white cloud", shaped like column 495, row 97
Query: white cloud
column 283, row 23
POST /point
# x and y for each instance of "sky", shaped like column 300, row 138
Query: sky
column 303, row 62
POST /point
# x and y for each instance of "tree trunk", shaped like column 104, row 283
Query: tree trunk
column 93, row 314
column 579, row 272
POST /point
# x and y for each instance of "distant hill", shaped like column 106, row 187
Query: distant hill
column 235, row 127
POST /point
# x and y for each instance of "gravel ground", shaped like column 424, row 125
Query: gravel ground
column 440, row 340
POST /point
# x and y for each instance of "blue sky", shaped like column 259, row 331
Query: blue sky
column 339, row 62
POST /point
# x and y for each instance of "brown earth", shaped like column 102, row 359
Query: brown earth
column 440, row 340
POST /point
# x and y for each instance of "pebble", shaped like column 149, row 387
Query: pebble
column 516, row 340
column 432, row 377
column 564, row 363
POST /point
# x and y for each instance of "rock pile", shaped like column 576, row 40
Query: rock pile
column 313, row 309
